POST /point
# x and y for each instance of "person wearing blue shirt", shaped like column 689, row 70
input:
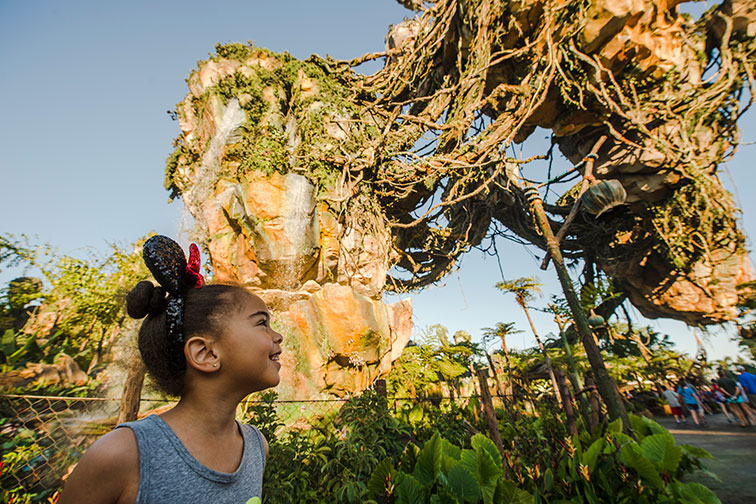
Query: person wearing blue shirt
column 692, row 402
column 748, row 381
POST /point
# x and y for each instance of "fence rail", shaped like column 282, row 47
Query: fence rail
column 42, row 437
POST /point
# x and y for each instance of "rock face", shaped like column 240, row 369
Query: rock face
column 275, row 227
column 683, row 257
column 65, row 371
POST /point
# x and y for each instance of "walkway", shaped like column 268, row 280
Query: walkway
column 734, row 451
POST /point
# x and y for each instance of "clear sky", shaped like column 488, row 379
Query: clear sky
column 84, row 133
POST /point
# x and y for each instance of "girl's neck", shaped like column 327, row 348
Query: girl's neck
column 209, row 414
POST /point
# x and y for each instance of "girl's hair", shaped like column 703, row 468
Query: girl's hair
column 205, row 309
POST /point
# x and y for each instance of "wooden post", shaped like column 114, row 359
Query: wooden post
column 603, row 380
column 567, row 402
column 132, row 391
column 500, row 389
column 595, row 400
column 493, row 425
column 380, row 387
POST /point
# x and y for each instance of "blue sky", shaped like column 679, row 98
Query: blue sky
column 84, row 131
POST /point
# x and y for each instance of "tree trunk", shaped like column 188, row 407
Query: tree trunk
column 132, row 391
column 545, row 355
column 603, row 380
column 500, row 389
column 567, row 401
column 595, row 419
column 493, row 425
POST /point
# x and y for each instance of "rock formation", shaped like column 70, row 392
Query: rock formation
column 321, row 188
column 64, row 372
column 269, row 224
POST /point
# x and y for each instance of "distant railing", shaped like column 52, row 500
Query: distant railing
column 43, row 437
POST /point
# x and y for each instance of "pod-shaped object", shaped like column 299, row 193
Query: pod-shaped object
column 602, row 196
column 596, row 321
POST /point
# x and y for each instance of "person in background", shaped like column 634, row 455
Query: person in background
column 748, row 381
column 742, row 399
column 692, row 401
column 673, row 399
column 734, row 400
column 720, row 398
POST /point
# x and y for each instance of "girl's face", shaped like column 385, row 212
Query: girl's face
column 250, row 348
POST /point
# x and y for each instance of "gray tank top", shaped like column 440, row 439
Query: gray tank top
column 169, row 474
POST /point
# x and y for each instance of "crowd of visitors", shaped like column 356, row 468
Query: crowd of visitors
column 734, row 393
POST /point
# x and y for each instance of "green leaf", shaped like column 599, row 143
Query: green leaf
column 429, row 461
column 382, row 478
column 590, row 456
column 469, row 461
column 615, row 426
column 443, row 496
column 640, row 428
column 8, row 342
column 463, row 484
column 481, row 443
column 450, row 450
column 548, row 479
column 695, row 451
column 661, row 449
column 416, row 414
column 409, row 489
column 409, row 457
column 489, row 474
column 694, row 493
column 508, row 493
column 632, row 457
column 446, row 463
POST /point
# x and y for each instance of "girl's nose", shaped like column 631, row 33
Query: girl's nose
column 277, row 337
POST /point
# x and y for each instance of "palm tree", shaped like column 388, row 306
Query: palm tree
column 502, row 330
column 524, row 289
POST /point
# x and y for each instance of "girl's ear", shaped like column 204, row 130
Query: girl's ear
column 201, row 355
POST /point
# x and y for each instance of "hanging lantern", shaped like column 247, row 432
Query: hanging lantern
column 602, row 196
column 596, row 321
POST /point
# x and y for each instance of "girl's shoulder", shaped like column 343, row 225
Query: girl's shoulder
column 107, row 472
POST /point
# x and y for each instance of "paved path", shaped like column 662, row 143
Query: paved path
column 734, row 451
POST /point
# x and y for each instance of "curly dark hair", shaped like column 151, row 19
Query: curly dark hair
column 205, row 309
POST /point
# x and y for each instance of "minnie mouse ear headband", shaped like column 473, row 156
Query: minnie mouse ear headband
column 166, row 261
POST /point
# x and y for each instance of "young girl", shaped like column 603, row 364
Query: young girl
column 211, row 345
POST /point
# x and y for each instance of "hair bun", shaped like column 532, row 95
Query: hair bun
column 145, row 299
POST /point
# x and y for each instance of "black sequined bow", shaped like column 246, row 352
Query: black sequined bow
column 166, row 261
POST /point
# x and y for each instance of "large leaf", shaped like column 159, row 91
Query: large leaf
column 469, row 461
column 481, row 443
column 450, row 449
column 428, row 461
column 416, row 414
column 615, row 426
column 443, row 496
column 661, row 449
column 488, row 475
column 409, row 489
column 409, row 457
column 463, row 484
column 694, row 493
column 695, row 451
column 8, row 342
column 382, row 478
column 633, row 457
column 447, row 462
column 640, row 428
column 508, row 493
column 590, row 456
